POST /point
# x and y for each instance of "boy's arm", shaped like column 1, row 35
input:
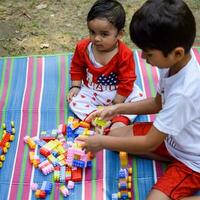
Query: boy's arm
column 150, row 105
column 147, row 106
column 133, row 144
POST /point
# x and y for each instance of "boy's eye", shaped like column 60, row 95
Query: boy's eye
column 149, row 55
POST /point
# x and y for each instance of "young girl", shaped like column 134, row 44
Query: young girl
column 102, row 68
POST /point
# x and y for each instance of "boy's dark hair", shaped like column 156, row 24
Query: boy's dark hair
column 112, row 10
column 163, row 25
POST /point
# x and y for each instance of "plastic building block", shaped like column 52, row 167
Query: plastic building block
column 77, row 175
column 84, row 124
column 70, row 185
column 52, row 159
column 123, row 159
column 45, row 152
column 62, row 129
column 62, row 174
column 34, row 186
column 64, row 190
column 40, row 194
column 78, row 163
column 114, row 196
column 46, row 186
column 68, row 174
column 30, row 142
column 56, row 174
column 7, row 137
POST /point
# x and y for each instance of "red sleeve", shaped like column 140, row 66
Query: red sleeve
column 126, row 71
column 77, row 69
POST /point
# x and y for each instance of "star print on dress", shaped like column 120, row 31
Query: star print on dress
column 108, row 80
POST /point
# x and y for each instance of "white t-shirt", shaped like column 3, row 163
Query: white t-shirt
column 180, row 114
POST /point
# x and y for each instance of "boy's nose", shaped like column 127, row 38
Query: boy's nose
column 143, row 55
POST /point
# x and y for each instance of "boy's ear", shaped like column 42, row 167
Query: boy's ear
column 179, row 53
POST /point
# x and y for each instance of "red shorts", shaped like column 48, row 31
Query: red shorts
column 178, row 180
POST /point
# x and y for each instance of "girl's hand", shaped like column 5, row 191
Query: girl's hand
column 91, row 143
column 107, row 113
column 72, row 93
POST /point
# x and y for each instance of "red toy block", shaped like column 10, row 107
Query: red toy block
column 77, row 175
column 44, row 152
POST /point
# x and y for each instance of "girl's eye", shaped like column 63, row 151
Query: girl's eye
column 91, row 32
column 104, row 34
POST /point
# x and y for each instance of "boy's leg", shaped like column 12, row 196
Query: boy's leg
column 191, row 198
column 179, row 182
column 138, row 129
column 161, row 153
column 157, row 195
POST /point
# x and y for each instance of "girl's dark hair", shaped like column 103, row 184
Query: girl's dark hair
column 112, row 10
column 163, row 25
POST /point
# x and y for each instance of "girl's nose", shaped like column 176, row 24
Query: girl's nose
column 97, row 38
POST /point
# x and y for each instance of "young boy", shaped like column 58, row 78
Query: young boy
column 102, row 68
column 165, row 31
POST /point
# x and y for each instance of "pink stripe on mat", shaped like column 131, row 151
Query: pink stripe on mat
column 24, row 126
column 34, row 122
column 197, row 54
column 88, row 184
column 144, row 75
column 62, row 89
column 6, row 80
column 99, row 176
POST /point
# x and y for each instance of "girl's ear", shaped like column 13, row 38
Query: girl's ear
column 121, row 33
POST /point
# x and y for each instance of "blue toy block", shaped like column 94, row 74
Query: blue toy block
column 47, row 187
column 78, row 163
column 62, row 174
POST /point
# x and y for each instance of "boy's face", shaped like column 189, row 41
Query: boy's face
column 103, row 34
column 155, row 57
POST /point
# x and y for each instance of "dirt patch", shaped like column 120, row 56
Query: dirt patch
column 49, row 27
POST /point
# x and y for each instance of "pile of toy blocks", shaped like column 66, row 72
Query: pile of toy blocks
column 61, row 153
column 8, row 131
column 124, row 179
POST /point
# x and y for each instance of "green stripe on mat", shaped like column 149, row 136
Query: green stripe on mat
column 8, row 90
column 135, row 175
column 58, row 92
column 94, row 174
column 2, row 86
column 67, row 84
column 150, row 79
column 3, row 77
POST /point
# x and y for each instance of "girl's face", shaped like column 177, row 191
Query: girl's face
column 103, row 34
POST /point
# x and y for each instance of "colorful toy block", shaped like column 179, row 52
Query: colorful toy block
column 64, row 191
column 7, row 136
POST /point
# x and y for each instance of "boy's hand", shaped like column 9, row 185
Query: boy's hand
column 72, row 93
column 107, row 113
column 91, row 143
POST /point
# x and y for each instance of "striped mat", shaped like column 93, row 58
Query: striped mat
column 32, row 93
